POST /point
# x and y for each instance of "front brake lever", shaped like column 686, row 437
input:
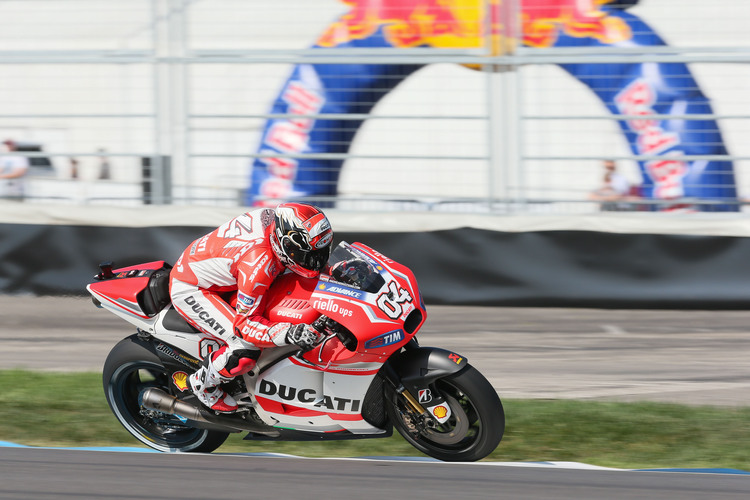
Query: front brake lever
column 321, row 324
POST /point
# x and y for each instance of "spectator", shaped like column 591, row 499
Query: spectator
column 105, row 168
column 615, row 191
column 73, row 167
column 13, row 169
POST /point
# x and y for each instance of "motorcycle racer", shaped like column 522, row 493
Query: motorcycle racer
column 245, row 255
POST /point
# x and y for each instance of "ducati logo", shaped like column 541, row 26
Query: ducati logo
column 203, row 315
column 308, row 396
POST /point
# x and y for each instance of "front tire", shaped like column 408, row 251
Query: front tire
column 474, row 428
column 129, row 370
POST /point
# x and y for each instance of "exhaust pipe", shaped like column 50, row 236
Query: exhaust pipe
column 156, row 399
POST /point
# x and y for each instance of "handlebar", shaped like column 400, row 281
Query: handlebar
column 321, row 323
column 329, row 326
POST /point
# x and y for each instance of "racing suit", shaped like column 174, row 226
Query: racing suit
column 235, row 257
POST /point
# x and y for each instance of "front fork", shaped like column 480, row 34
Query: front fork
column 439, row 410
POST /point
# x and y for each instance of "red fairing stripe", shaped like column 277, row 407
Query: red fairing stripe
column 120, row 306
column 272, row 406
column 329, row 370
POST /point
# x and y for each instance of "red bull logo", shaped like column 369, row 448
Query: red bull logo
column 638, row 99
column 303, row 97
column 411, row 23
column 543, row 20
column 462, row 23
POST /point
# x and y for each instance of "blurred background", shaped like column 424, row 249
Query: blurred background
column 532, row 143
column 496, row 106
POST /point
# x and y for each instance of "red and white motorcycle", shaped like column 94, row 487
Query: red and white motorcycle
column 367, row 376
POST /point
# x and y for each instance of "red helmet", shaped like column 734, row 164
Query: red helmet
column 301, row 238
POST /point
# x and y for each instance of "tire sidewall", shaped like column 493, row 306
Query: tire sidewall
column 487, row 404
column 133, row 352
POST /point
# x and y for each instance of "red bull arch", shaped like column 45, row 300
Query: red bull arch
column 625, row 88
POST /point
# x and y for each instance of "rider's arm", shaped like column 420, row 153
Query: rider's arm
column 256, row 271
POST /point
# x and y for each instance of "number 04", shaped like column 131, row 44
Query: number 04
column 390, row 303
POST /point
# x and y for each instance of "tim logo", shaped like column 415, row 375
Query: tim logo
column 385, row 339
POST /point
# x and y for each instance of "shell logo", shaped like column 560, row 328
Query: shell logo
column 180, row 380
column 440, row 411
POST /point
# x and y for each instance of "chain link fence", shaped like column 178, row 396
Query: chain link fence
column 490, row 106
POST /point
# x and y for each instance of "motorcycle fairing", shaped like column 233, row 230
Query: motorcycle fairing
column 124, row 291
column 383, row 314
column 322, row 391
column 293, row 395
column 194, row 343
column 164, row 326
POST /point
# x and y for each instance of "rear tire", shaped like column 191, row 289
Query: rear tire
column 474, row 428
column 129, row 370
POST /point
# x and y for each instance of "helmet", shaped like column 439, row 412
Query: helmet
column 301, row 238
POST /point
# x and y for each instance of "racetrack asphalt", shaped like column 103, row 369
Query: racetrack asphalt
column 689, row 357
column 34, row 474
column 692, row 357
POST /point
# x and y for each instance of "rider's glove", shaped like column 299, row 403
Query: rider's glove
column 304, row 336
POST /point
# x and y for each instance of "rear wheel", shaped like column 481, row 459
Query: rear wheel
column 472, row 432
column 129, row 370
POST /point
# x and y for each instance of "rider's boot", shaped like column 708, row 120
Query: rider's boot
column 205, row 384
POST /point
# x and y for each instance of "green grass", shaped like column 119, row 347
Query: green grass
column 43, row 409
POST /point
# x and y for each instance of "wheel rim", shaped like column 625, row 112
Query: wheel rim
column 155, row 429
column 460, row 433
column 455, row 428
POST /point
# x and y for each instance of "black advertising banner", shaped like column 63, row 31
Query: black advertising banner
column 458, row 266
column 61, row 260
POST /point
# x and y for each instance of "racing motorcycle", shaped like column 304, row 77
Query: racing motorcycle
column 368, row 375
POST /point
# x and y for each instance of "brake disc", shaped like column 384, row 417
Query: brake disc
column 458, row 432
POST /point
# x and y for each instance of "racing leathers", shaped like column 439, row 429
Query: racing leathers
column 234, row 258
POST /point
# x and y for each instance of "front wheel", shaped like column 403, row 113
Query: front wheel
column 472, row 432
column 129, row 370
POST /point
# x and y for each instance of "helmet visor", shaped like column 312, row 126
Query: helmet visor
column 304, row 256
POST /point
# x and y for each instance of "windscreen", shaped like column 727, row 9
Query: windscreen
column 354, row 269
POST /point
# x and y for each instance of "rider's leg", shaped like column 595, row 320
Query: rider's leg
column 210, row 313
